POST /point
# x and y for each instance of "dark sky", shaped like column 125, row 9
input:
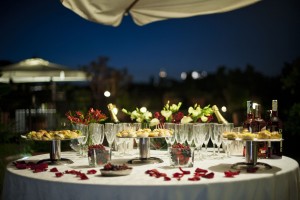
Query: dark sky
column 265, row 35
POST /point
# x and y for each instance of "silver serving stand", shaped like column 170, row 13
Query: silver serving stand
column 144, row 150
column 55, row 155
column 251, row 152
column 55, row 152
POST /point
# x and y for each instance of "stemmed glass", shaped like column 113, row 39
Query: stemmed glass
column 82, row 140
column 212, row 137
column 180, row 133
column 96, row 132
column 197, row 137
column 136, row 126
column 170, row 140
column 207, row 134
column 110, row 133
column 217, row 135
column 188, row 129
column 226, row 143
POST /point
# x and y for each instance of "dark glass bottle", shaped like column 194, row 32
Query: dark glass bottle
column 259, row 124
column 248, row 123
column 275, row 125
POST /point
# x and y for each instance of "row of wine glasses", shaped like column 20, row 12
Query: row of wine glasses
column 199, row 134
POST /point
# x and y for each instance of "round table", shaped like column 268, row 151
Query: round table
column 280, row 182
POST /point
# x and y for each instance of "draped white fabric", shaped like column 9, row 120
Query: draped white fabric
column 280, row 182
column 147, row 11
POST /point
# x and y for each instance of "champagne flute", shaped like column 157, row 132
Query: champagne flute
column 82, row 140
column 212, row 137
column 96, row 133
column 170, row 140
column 225, row 142
column 110, row 134
column 217, row 134
column 188, row 128
column 180, row 133
column 207, row 134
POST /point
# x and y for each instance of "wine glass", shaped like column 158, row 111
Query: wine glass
column 197, row 137
column 96, row 132
column 180, row 133
column 137, row 126
column 110, row 134
column 207, row 134
column 217, row 135
column 188, row 129
column 225, row 142
column 82, row 140
column 211, row 133
column 170, row 140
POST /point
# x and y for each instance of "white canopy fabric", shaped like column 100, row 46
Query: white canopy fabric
column 111, row 12
column 39, row 70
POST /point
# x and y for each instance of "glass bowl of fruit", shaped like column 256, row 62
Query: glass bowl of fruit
column 181, row 155
column 98, row 155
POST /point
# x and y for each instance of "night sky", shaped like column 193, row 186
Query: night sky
column 265, row 35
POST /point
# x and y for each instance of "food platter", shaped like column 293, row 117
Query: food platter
column 50, row 140
column 255, row 140
column 55, row 150
column 123, row 172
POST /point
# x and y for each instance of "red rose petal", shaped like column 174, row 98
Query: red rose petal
column 199, row 170
column 209, row 175
column 195, row 178
column 166, row 178
column 184, row 171
column 92, row 171
column 59, row 174
column 54, row 169
column 83, row 177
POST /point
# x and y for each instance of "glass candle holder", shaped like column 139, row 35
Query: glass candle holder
column 99, row 157
column 181, row 157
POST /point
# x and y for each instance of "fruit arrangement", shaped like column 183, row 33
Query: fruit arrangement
column 112, row 167
column 181, row 155
column 98, row 155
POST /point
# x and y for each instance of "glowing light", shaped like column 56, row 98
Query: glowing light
column 162, row 73
column 107, row 94
column 224, row 109
column 183, row 75
column 195, row 75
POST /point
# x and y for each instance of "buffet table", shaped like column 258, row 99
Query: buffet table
column 280, row 182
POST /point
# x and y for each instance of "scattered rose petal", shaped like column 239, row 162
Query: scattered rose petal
column 195, row 178
column 83, row 176
column 230, row 174
column 199, row 170
column 92, row 171
column 166, row 178
column 59, row 174
column 209, row 175
column 21, row 166
column 184, row 171
column 54, row 169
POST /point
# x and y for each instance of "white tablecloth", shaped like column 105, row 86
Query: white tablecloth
column 282, row 182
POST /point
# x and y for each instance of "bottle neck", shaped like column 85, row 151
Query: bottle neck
column 219, row 116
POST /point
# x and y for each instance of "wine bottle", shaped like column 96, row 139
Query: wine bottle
column 219, row 116
column 113, row 110
column 249, row 118
column 275, row 125
column 259, row 124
